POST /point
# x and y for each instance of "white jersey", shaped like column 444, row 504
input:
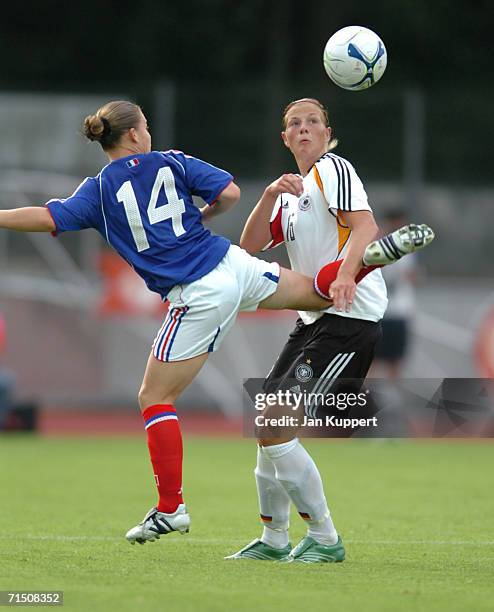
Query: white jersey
column 315, row 234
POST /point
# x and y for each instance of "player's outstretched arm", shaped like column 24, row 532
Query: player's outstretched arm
column 224, row 202
column 27, row 219
column 257, row 233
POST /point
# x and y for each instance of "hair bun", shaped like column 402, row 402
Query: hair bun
column 110, row 122
column 94, row 127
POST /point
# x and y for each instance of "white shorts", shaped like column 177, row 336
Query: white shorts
column 201, row 313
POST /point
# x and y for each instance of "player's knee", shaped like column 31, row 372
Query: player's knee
column 148, row 396
column 142, row 398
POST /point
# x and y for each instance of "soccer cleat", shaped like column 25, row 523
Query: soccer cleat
column 156, row 524
column 261, row 552
column 394, row 246
column 310, row 551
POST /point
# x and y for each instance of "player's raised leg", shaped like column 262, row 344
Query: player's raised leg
column 297, row 291
column 163, row 383
column 381, row 252
column 397, row 244
column 294, row 291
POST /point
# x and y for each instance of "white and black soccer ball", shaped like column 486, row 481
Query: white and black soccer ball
column 355, row 58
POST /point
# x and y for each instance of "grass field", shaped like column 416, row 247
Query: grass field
column 417, row 519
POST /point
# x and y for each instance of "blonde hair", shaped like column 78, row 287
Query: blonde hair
column 111, row 121
column 333, row 143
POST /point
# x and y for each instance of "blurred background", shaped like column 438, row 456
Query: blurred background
column 213, row 77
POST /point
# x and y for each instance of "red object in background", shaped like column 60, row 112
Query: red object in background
column 124, row 292
column 3, row 334
column 484, row 346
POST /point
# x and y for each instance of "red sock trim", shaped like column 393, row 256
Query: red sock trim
column 152, row 411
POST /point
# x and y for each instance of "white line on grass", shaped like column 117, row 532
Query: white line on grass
column 189, row 539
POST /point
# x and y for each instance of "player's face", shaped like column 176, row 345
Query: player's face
column 306, row 133
column 143, row 135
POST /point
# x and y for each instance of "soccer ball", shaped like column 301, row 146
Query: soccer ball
column 355, row 58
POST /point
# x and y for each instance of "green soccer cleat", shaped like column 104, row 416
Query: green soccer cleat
column 261, row 552
column 394, row 246
column 310, row 551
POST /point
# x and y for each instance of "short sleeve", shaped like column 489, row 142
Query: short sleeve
column 275, row 226
column 205, row 180
column 340, row 184
column 81, row 210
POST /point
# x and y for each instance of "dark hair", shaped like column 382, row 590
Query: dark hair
column 334, row 141
column 111, row 121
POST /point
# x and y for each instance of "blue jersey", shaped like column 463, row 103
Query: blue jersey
column 142, row 205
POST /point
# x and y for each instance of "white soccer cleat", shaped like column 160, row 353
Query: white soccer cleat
column 156, row 524
column 394, row 246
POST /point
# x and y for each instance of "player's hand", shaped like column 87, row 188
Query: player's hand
column 342, row 292
column 287, row 183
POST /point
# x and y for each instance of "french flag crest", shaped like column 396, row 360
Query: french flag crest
column 132, row 162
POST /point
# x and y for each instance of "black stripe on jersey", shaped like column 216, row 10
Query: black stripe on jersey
column 339, row 180
column 346, row 174
column 344, row 182
column 344, row 177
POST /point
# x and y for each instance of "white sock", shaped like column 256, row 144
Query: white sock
column 323, row 531
column 297, row 472
column 274, row 502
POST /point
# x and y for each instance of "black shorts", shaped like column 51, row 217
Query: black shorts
column 317, row 356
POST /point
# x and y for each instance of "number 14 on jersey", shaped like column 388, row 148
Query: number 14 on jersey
column 173, row 209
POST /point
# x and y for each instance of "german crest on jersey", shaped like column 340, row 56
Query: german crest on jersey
column 304, row 203
column 303, row 372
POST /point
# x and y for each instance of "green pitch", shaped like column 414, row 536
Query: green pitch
column 417, row 519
